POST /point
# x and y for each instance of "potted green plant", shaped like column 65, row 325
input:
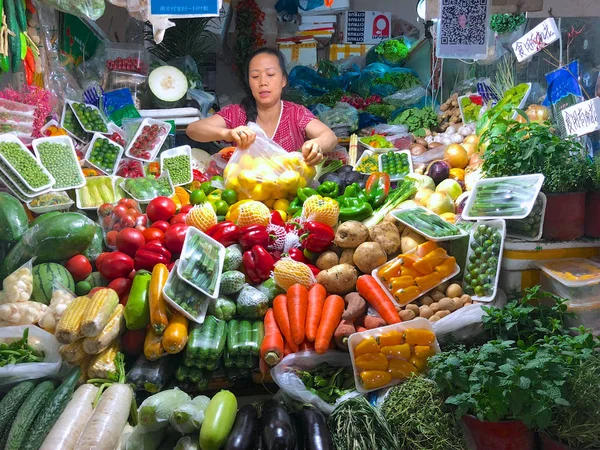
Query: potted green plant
column 592, row 201
column 508, row 27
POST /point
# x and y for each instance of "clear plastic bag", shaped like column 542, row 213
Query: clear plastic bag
column 265, row 170
column 188, row 443
column 39, row 339
column 18, row 286
column 205, row 100
column 151, row 376
column 154, row 412
column 188, row 417
column 284, row 374
column 406, row 97
column 61, row 298
column 343, row 119
column 92, row 9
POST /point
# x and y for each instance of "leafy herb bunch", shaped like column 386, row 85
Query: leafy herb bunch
column 393, row 50
column 507, row 23
column 418, row 120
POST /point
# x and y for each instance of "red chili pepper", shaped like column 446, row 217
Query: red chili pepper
column 30, row 7
column 199, row 176
column 316, row 237
column 276, row 219
column 151, row 254
column 314, row 269
column 258, row 264
column 30, row 60
column 28, row 75
column 297, row 255
column 226, row 233
column 476, row 99
column 254, row 235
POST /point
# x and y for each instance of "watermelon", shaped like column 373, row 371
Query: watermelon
column 44, row 276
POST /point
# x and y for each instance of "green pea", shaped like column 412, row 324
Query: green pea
column 23, row 163
column 58, row 159
column 179, row 168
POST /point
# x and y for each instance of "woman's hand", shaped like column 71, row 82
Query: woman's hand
column 311, row 150
column 243, row 137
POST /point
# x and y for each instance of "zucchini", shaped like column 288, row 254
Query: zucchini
column 10, row 405
column 21, row 18
column 50, row 414
column 233, row 337
column 14, row 40
column 35, row 402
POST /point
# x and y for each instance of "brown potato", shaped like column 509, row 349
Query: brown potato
column 407, row 314
column 369, row 256
column 421, row 141
column 466, row 299
column 434, row 318
column 436, row 296
column 327, row 260
column 351, row 234
column 435, row 307
column 347, row 256
column 447, row 304
column 386, row 234
column 414, row 308
column 426, row 300
column 442, row 314
column 340, row 279
column 454, row 290
column 425, row 312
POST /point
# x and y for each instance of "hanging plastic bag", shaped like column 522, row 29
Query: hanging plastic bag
column 92, row 9
column 18, row 286
column 407, row 97
column 41, row 340
column 284, row 374
column 343, row 119
column 154, row 412
column 265, row 170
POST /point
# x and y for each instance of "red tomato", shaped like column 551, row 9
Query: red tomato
column 161, row 208
column 115, row 265
column 186, row 209
column 178, row 218
column 132, row 342
column 174, row 237
column 127, row 221
column 121, row 286
column 134, row 212
column 162, row 225
column 79, row 266
column 129, row 240
column 141, row 228
column 151, row 234
column 142, row 219
column 107, row 222
column 117, row 226
column 119, row 210
column 123, row 301
column 128, row 202
column 111, row 237
column 105, row 209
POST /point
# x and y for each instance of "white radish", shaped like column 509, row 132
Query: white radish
column 70, row 424
column 106, row 425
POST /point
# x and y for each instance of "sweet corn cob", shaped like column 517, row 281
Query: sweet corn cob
column 84, row 364
column 68, row 329
column 112, row 330
column 98, row 312
column 72, row 352
column 104, row 364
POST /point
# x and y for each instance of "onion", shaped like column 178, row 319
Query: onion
column 456, row 155
column 450, row 187
column 440, row 203
column 417, row 149
column 438, row 170
column 422, row 196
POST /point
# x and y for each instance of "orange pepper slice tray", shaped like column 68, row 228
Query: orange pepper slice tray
column 572, row 272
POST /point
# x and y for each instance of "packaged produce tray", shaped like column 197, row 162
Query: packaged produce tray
column 503, row 198
column 186, row 174
column 16, row 118
column 10, row 186
column 192, row 263
column 479, row 259
column 179, row 288
column 69, row 163
column 153, row 147
column 69, row 122
column 8, row 138
column 535, row 220
column 363, row 142
column 92, row 185
column 99, row 126
column 109, row 170
column 363, row 157
column 11, row 107
column 15, row 184
column 152, row 194
column 402, row 215
column 461, row 100
column 356, row 338
column 397, row 177
column 52, row 201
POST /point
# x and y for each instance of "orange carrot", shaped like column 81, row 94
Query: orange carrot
column 330, row 319
column 271, row 349
column 370, row 290
column 306, row 345
column 297, row 304
column 316, row 298
column 283, row 320
column 286, row 349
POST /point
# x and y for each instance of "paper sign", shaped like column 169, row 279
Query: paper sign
column 462, row 29
column 185, row 8
column 582, row 118
column 540, row 37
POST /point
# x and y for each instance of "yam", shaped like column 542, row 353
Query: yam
column 340, row 279
column 342, row 333
column 387, row 236
column 351, row 234
column 371, row 322
column 327, row 260
column 356, row 306
column 369, row 256
column 347, row 256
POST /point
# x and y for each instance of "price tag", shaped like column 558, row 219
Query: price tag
column 582, row 118
column 540, row 37
column 185, row 8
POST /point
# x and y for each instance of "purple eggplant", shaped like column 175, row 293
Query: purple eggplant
column 277, row 428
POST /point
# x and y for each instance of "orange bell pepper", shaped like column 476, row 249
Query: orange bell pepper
column 401, row 282
column 375, row 379
column 410, row 259
column 182, row 195
column 423, row 266
column 426, row 248
column 407, row 295
column 446, row 268
column 397, row 351
column 391, row 270
column 89, row 172
column 418, row 336
column 410, row 272
column 419, row 363
column 427, row 282
column 391, row 338
column 436, row 257
column 368, row 345
column 372, row 361
column 400, row 369
column 423, row 351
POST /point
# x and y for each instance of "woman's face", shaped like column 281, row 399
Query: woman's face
column 266, row 79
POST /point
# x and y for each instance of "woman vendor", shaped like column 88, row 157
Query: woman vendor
column 291, row 126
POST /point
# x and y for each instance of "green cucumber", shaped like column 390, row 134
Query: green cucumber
column 21, row 17
column 227, row 359
column 218, row 344
column 50, row 414
column 10, row 405
column 233, row 337
column 245, row 339
column 182, row 373
column 258, row 334
column 13, row 218
column 35, row 402
column 14, row 38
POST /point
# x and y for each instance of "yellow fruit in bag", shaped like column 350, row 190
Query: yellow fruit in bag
column 269, row 182
column 289, row 181
column 269, row 203
column 253, row 213
column 259, row 193
column 308, row 171
column 246, row 162
column 247, row 179
column 293, row 161
column 232, row 183
column 230, row 170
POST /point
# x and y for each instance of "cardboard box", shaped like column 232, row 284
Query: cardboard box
column 366, row 27
column 343, row 51
column 299, row 53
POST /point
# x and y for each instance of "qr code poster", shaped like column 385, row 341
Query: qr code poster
column 462, row 29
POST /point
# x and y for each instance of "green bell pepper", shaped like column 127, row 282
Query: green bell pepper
column 306, row 192
column 354, row 204
column 295, row 206
column 329, row 189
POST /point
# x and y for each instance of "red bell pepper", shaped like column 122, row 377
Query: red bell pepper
column 276, row 254
column 297, row 255
column 252, row 235
column 227, row 233
column 293, row 225
column 276, row 219
column 114, row 265
column 151, row 254
column 314, row 269
column 199, row 176
column 258, row 264
column 316, row 237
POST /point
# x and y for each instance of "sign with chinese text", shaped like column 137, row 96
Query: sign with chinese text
column 582, row 118
column 537, row 39
column 185, row 8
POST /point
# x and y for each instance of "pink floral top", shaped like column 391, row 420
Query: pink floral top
column 291, row 131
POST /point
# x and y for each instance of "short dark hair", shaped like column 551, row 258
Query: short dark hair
column 249, row 102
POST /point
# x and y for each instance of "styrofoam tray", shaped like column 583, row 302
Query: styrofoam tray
column 177, row 151
column 203, row 309
column 62, row 124
column 12, row 188
column 158, row 144
column 148, row 200
column 545, row 266
column 87, row 130
column 376, row 150
column 460, row 106
column 356, row 338
column 13, row 139
column 16, row 183
column 21, row 108
column 538, row 236
column 382, row 284
column 49, row 208
column 396, row 177
column 461, row 232
column 537, row 180
column 364, row 156
column 90, row 148
column 95, row 207
column 498, row 224
column 64, row 140
column 187, row 252
column 14, row 117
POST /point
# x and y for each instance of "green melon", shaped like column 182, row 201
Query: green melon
column 44, row 276
column 232, row 282
column 233, row 258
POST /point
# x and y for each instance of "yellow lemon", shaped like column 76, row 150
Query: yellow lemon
column 301, row 183
column 309, row 171
column 269, row 182
column 259, row 193
column 293, row 160
column 232, row 183
column 247, row 179
column 243, row 196
column 281, row 204
column 230, row 169
column 269, row 202
column 289, row 180
column 246, row 161
column 278, row 161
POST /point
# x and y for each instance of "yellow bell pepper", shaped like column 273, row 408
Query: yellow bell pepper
column 409, row 259
column 409, row 272
column 423, row 266
column 401, row 282
column 427, row 282
column 368, row 345
column 406, row 295
column 397, row 351
column 375, row 379
column 391, row 338
column 419, row 363
column 436, row 257
column 283, row 214
column 400, row 369
column 391, row 270
column 175, row 199
column 423, row 351
column 447, row 267
column 373, row 361
column 89, row 172
column 417, row 336
column 182, row 195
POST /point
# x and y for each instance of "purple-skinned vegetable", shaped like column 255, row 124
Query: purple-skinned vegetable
column 438, row 171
